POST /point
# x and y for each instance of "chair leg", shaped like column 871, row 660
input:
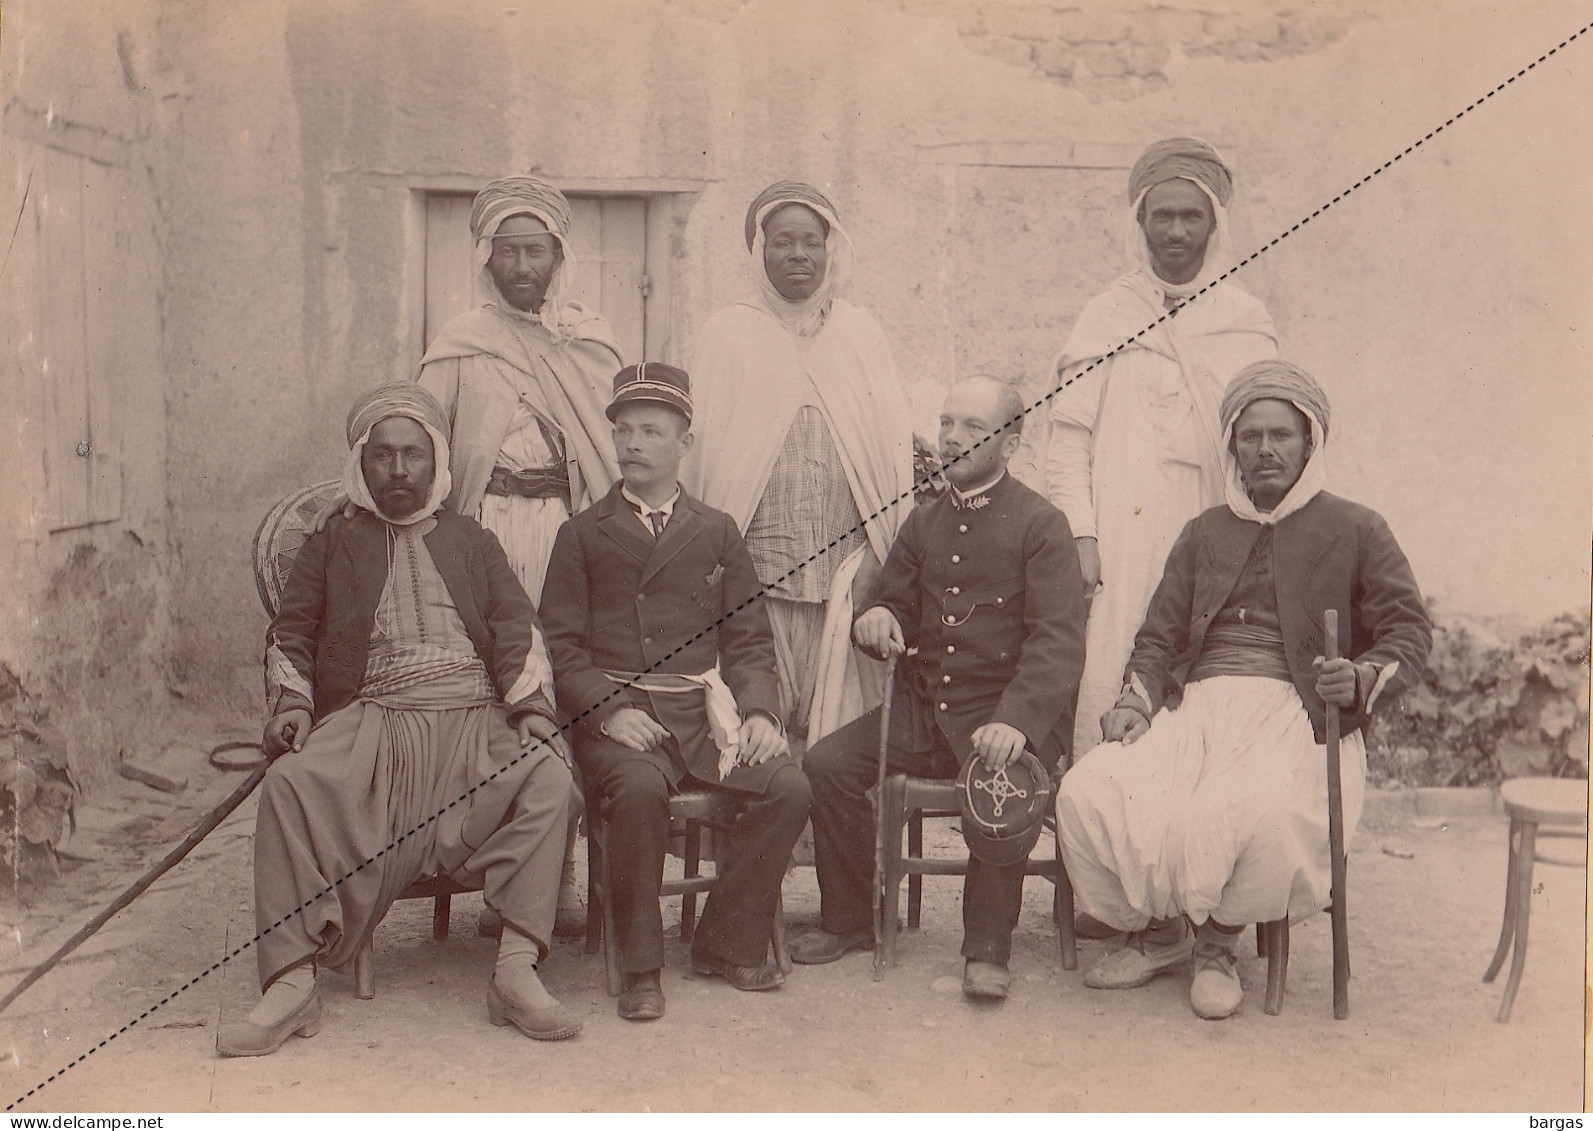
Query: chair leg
column 915, row 880
column 893, row 816
column 1507, row 931
column 1261, row 940
column 1274, row 937
column 364, row 972
column 782, row 957
column 1064, row 914
column 1525, row 857
column 595, row 895
column 611, row 958
column 693, row 868
column 441, row 909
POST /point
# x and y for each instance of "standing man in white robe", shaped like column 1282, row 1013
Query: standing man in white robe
column 803, row 438
column 1134, row 450
column 524, row 380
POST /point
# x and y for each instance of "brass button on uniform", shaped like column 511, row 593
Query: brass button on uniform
column 951, row 648
column 942, row 706
column 945, row 679
column 955, row 558
column 954, row 590
column 963, row 529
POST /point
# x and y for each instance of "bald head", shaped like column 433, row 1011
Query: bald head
column 980, row 428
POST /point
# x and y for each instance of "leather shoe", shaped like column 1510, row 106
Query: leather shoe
column 246, row 1038
column 749, row 978
column 818, row 947
column 642, row 999
column 540, row 1023
column 987, row 981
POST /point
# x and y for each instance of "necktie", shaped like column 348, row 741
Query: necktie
column 657, row 519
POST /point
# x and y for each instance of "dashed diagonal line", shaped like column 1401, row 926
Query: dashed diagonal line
column 906, row 497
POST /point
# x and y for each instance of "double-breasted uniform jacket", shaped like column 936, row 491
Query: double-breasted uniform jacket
column 989, row 591
column 1330, row 554
column 323, row 627
column 615, row 600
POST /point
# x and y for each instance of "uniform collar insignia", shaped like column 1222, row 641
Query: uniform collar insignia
column 975, row 503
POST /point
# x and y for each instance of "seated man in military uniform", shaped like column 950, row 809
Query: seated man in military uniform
column 985, row 584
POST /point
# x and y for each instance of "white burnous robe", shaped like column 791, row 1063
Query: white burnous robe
column 757, row 366
column 1133, row 451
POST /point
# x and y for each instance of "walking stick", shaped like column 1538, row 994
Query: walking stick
column 879, row 819
column 1335, row 785
column 167, row 862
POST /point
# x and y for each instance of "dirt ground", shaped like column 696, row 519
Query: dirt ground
column 1425, row 899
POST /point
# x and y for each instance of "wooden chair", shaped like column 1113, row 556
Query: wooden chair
column 276, row 543
column 1272, row 943
column 1561, row 805
column 908, row 802
column 690, row 812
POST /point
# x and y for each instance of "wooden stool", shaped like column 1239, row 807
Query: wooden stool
column 690, row 811
column 908, row 801
column 1560, row 804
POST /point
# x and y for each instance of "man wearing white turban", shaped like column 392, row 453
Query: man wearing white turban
column 1213, row 809
column 803, row 438
column 412, row 734
column 524, row 381
column 1134, row 450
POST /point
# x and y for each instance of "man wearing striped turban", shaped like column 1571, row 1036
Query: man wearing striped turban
column 803, row 437
column 1212, row 810
column 412, row 734
column 1134, row 450
column 524, row 380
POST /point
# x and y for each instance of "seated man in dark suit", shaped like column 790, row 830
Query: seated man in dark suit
column 985, row 583
column 1212, row 808
column 664, row 664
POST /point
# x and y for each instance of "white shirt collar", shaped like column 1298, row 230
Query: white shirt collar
column 643, row 510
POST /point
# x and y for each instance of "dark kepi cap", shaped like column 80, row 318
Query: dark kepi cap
column 652, row 381
column 1002, row 811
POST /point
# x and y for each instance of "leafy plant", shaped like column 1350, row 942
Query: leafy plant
column 1487, row 709
column 36, row 792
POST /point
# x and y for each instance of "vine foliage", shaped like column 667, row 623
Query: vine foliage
column 1489, row 709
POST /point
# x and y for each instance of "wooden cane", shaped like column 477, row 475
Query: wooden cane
column 879, row 818
column 167, row 862
column 1335, row 785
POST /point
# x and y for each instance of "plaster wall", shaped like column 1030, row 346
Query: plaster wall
column 978, row 154
column 86, row 563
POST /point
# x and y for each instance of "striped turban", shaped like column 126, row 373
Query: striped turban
column 1274, row 380
column 402, row 398
column 804, row 318
column 518, row 196
column 1175, row 157
column 788, row 192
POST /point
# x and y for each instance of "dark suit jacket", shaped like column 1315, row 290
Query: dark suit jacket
column 615, row 600
column 1330, row 554
column 329, row 606
column 992, row 597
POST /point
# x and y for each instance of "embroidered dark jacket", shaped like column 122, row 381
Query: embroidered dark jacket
column 1331, row 553
column 329, row 606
